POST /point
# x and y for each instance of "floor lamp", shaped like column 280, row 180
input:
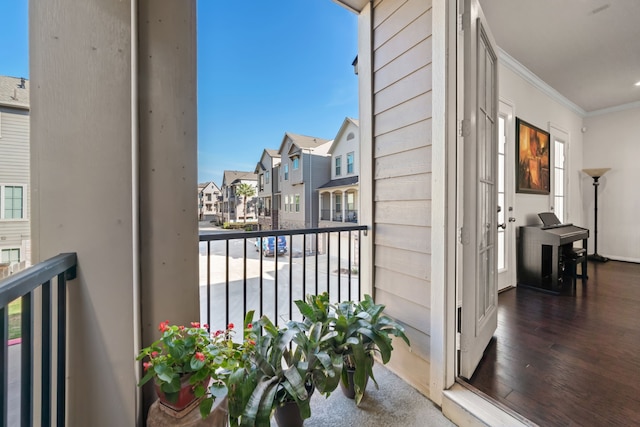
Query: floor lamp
column 596, row 174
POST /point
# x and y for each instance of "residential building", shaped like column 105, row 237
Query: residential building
column 15, row 206
column 208, row 193
column 268, row 189
column 339, row 197
column 304, row 165
column 105, row 163
column 233, row 207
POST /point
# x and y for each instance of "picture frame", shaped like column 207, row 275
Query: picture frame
column 533, row 172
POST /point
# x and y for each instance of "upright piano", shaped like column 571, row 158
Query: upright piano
column 547, row 259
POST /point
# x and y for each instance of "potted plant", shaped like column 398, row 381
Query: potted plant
column 356, row 331
column 288, row 365
column 186, row 362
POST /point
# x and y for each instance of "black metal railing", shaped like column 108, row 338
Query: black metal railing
column 236, row 274
column 54, row 271
column 351, row 216
column 325, row 214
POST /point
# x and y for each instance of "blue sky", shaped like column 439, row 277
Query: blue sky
column 264, row 68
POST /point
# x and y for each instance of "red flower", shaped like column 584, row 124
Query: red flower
column 147, row 365
column 230, row 326
column 251, row 342
column 163, row 326
column 181, row 327
column 199, row 356
column 195, row 324
column 206, row 326
column 249, row 326
column 218, row 333
column 154, row 354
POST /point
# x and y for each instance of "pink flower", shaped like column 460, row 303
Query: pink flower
column 195, row 324
column 163, row 326
column 206, row 326
column 181, row 327
column 218, row 333
column 147, row 365
column 199, row 356
column 154, row 354
column 251, row 342
column 230, row 326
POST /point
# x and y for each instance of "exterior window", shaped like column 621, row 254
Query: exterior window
column 297, row 203
column 10, row 255
column 296, row 163
column 208, row 197
column 286, row 172
column 338, row 166
column 266, row 177
column 559, row 180
column 12, row 202
column 338, row 203
column 291, row 204
column 350, row 163
column 286, row 203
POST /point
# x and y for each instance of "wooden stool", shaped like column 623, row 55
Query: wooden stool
column 162, row 416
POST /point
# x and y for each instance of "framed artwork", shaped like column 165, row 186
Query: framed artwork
column 532, row 159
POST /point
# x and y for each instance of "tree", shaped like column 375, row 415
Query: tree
column 245, row 191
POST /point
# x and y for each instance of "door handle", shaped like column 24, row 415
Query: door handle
column 512, row 219
column 503, row 226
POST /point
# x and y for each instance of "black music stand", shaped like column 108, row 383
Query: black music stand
column 596, row 174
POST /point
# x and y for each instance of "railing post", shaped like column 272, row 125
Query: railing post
column 46, row 355
column 4, row 365
column 62, row 350
column 26, row 361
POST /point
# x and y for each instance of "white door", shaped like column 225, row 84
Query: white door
column 506, row 216
column 478, row 233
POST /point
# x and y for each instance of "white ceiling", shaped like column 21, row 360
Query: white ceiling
column 587, row 50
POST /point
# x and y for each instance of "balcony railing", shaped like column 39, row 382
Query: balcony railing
column 237, row 276
column 325, row 215
column 22, row 285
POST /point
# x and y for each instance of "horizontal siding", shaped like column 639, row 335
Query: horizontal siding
column 410, row 87
column 402, row 42
column 405, row 163
column 405, row 310
column 410, row 137
column 12, row 233
column 411, row 263
column 14, row 147
column 414, row 291
column 402, row 108
column 418, row 57
column 417, row 239
column 405, row 212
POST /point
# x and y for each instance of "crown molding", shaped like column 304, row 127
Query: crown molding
column 537, row 82
column 615, row 109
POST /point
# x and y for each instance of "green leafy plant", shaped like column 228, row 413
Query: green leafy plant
column 288, row 364
column 194, row 351
column 356, row 331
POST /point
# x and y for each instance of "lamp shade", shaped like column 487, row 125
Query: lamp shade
column 596, row 173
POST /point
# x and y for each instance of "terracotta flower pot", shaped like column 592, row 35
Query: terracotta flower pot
column 182, row 398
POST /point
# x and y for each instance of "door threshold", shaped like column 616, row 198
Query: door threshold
column 467, row 406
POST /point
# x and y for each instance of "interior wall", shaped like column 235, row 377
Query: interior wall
column 611, row 140
column 535, row 107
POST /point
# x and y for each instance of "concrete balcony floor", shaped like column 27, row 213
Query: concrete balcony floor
column 396, row 404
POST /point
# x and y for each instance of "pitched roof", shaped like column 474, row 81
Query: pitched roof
column 273, row 153
column 14, row 92
column 230, row 177
column 350, row 180
column 302, row 141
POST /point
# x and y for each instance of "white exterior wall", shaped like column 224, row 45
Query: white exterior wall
column 97, row 173
column 402, row 112
column 342, row 147
column 611, row 140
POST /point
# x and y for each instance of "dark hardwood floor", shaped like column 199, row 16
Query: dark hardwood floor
column 569, row 360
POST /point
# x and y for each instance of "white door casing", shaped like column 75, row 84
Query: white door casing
column 478, row 233
column 506, row 177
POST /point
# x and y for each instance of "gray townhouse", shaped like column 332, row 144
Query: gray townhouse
column 304, row 165
column 208, row 194
column 234, row 208
column 15, row 233
column 267, row 170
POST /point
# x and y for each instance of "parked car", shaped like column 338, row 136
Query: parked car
column 269, row 247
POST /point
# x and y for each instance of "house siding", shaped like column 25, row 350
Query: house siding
column 402, row 110
column 14, row 170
